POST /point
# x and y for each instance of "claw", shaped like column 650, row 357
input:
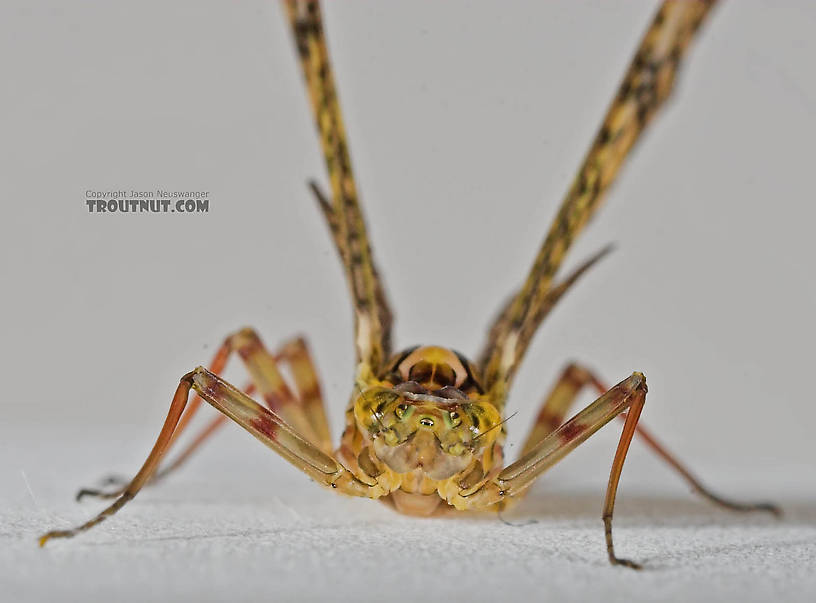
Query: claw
column 624, row 562
column 767, row 508
column 84, row 492
column 108, row 480
column 54, row 534
column 97, row 493
column 772, row 509
column 610, row 548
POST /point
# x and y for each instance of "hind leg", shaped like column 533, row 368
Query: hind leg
column 265, row 425
column 303, row 409
column 293, row 355
column 557, row 404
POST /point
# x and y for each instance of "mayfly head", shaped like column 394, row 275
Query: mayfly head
column 427, row 412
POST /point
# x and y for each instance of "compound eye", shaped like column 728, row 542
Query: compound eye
column 455, row 418
column 401, row 411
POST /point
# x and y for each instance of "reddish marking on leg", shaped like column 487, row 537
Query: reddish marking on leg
column 265, row 425
column 576, row 375
column 213, row 389
column 571, row 430
column 247, row 343
column 312, row 393
column 248, row 349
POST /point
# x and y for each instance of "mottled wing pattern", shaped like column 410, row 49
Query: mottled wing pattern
column 647, row 84
column 372, row 313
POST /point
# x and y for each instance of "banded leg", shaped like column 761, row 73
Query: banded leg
column 264, row 373
column 305, row 411
column 371, row 310
column 563, row 395
column 295, row 356
column 202, row 436
column 645, row 87
column 512, row 481
column 265, row 425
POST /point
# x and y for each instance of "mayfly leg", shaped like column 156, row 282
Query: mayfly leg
column 645, row 87
column 269, row 428
column 342, row 210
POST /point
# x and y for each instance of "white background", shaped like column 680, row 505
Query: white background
column 466, row 122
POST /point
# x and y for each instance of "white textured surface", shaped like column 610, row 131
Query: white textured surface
column 239, row 524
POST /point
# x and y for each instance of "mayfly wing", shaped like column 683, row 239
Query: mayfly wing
column 371, row 309
column 645, row 87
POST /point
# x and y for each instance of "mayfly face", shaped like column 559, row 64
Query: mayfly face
column 427, row 413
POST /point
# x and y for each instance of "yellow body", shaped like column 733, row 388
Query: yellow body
column 423, row 431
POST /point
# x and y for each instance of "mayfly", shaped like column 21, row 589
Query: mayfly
column 424, row 427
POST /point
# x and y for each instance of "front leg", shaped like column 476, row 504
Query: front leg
column 302, row 408
column 309, row 408
column 629, row 394
column 264, row 424
column 556, row 406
